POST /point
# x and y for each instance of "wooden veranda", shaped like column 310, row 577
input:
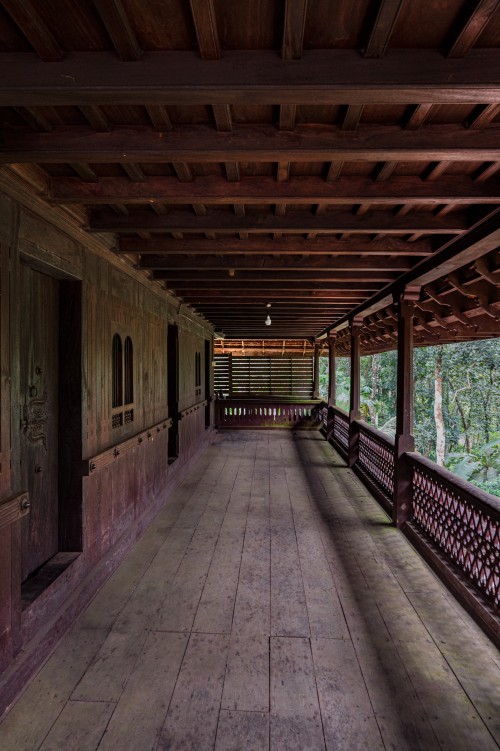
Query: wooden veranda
column 255, row 183
column 271, row 604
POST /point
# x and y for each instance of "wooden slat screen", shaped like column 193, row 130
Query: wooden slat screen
column 271, row 376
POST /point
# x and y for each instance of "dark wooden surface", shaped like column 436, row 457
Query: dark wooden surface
column 270, row 605
column 276, row 125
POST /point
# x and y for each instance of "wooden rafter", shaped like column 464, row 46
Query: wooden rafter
column 36, row 31
column 119, row 29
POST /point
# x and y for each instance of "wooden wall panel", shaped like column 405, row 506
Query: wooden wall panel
column 121, row 496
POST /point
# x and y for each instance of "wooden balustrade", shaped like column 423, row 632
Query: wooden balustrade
column 376, row 461
column 461, row 521
column 268, row 412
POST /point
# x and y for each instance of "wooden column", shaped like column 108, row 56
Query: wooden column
column 317, row 347
column 354, row 408
column 332, row 336
column 404, row 440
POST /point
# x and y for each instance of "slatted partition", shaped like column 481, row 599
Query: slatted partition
column 269, row 376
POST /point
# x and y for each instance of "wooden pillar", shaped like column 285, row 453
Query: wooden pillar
column 354, row 408
column 404, row 440
column 317, row 347
column 332, row 336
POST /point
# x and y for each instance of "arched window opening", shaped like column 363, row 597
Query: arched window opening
column 122, row 381
column 129, row 371
column 117, row 398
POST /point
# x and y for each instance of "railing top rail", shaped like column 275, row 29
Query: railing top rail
column 476, row 496
column 340, row 411
column 270, row 400
column 383, row 437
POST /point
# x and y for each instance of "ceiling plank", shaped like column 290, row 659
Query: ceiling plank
column 120, row 31
column 257, row 190
column 254, row 144
column 205, row 24
column 27, row 18
column 324, row 263
column 224, row 222
column 332, row 77
column 473, row 27
column 382, row 29
column 288, row 246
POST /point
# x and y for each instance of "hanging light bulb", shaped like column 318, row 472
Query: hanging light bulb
column 268, row 319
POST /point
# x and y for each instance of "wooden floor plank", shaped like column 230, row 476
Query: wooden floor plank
column 139, row 716
column 191, row 721
column 31, row 718
column 295, row 719
column 79, row 727
column 242, row 731
column 270, row 605
column 341, row 688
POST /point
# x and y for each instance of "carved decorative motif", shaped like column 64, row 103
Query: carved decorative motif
column 35, row 416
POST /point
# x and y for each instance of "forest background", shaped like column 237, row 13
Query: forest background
column 456, row 403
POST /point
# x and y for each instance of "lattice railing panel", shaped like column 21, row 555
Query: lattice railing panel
column 341, row 428
column 376, row 457
column 465, row 529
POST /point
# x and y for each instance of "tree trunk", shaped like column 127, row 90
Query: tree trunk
column 371, row 407
column 438, row 408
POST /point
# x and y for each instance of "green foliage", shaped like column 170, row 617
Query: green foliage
column 471, row 403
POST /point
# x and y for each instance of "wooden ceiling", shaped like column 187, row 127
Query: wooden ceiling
column 303, row 154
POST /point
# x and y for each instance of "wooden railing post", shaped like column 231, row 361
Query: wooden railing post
column 404, row 440
column 354, row 409
column 332, row 384
column 317, row 347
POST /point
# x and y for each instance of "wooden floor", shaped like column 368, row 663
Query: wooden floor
column 270, row 605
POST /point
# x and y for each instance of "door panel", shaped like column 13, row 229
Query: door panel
column 39, row 363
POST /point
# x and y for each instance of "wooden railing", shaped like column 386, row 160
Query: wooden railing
column 376, row 458
column 338, row 428
column 461, row 521
column 267, row 412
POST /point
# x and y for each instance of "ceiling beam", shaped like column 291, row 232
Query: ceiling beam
column 28, row 20
column 326, row 275
column 251, row 143
column 258, row 190
column 120, row 31
column 325, row 263
column 319, row 295
column 266, row 286
column 293, row 222
column 331, row 77
column 287, row 246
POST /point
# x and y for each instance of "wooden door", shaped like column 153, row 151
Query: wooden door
column 38, row 396
column 173, row 389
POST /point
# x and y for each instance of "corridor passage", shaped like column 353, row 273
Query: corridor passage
column 269, row 605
